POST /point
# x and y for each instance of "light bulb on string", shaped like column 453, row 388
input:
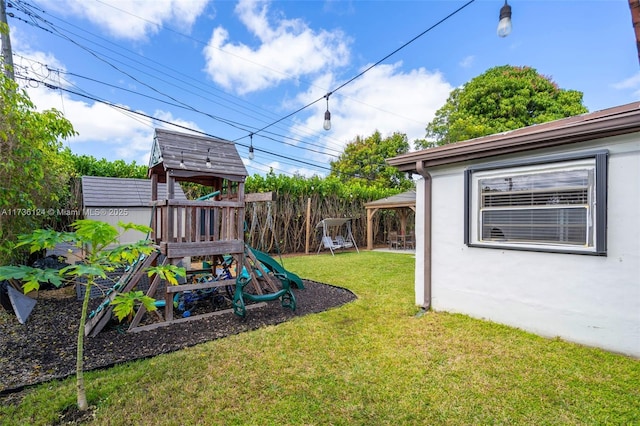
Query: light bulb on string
column 208, row 162
column 327, row 115
column 182, row 165
column 504, row 25
column 252, row 155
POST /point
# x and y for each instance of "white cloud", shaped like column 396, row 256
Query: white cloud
column 182, row 126
column 103, row 130
column 243, row 68
column 632, row 83
column 113, row 133
column 467, row 61
column 132, row 19
column 109, row 128
column 29, row 63
column 384, row 99
column 107, row 131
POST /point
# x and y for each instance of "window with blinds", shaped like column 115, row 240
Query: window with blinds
column 542, row 206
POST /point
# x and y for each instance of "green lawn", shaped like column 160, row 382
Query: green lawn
column 371, row 362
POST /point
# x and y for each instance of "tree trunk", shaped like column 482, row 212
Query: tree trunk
column 82, row 394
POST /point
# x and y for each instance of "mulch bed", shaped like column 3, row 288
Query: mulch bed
column 45, row 347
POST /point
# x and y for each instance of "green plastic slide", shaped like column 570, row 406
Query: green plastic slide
column 275, row 267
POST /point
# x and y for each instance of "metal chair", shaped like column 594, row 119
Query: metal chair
column 394, row 241
column 410, row 241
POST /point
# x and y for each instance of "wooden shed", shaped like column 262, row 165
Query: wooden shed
column 111, row 200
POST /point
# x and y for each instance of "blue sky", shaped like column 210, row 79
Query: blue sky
column 230, row 68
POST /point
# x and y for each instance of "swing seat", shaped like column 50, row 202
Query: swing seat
column 340, row 242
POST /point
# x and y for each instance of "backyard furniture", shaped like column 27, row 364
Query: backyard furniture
column 342, row 242
column 394, row 240
column 338, row 226
column 410, row 241
column 329, row 244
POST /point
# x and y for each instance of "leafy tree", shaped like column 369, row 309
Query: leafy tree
column 34, row 167
column 97, row 239
column 330, row 187
column 503, row 98
column 363, row 161
column 87, row 165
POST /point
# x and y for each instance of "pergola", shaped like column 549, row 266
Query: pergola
column 400, row 202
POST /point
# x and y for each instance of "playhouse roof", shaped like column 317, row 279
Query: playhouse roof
column 120, row 192
column 184, row 156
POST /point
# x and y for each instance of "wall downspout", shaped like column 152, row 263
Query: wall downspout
column 426, row 253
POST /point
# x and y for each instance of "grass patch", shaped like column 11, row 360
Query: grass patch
column 369, row 362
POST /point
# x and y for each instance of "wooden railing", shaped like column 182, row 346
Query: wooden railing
column 198, row 228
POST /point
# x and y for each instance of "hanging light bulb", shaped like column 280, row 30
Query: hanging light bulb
column 251, row 153
column 182, row 165
column 327, row 120
column 327, row 115
column 208, row 163
column 504, row 26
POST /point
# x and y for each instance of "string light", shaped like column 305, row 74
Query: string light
column 251, row 154
column 327, row 114
column 182, row 165
column 504, row 25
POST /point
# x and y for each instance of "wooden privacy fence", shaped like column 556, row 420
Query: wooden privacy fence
column 282, row 225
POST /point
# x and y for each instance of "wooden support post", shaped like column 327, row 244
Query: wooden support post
column 403, row 221
column 265, row 274
column 308, row 236
column 150, row 292
column 169, row 232
column 370, row 213
column 94, row 325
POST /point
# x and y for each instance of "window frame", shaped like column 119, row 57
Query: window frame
column 598, row 234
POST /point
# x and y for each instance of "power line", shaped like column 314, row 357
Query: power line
column 264, row 135
column 57, row 31
column 278, row 155
column 239, row 126
column 401, row 47
column 326, row 96
column 261, row 129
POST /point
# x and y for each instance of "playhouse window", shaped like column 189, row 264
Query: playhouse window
column 551, row 206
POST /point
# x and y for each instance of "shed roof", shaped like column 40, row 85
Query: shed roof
column 614, row 121
column 120, row 192
column 184, row 156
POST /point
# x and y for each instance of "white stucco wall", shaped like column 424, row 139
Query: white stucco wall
column 113, row 215
column 587, row 299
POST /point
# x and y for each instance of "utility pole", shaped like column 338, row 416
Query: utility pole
column 7, row 54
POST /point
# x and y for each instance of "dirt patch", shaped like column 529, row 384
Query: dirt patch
column 45, row 347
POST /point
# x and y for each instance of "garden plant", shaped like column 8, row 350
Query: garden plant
column 102, row 254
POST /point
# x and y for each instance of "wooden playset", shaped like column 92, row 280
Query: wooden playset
column 212, row 228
